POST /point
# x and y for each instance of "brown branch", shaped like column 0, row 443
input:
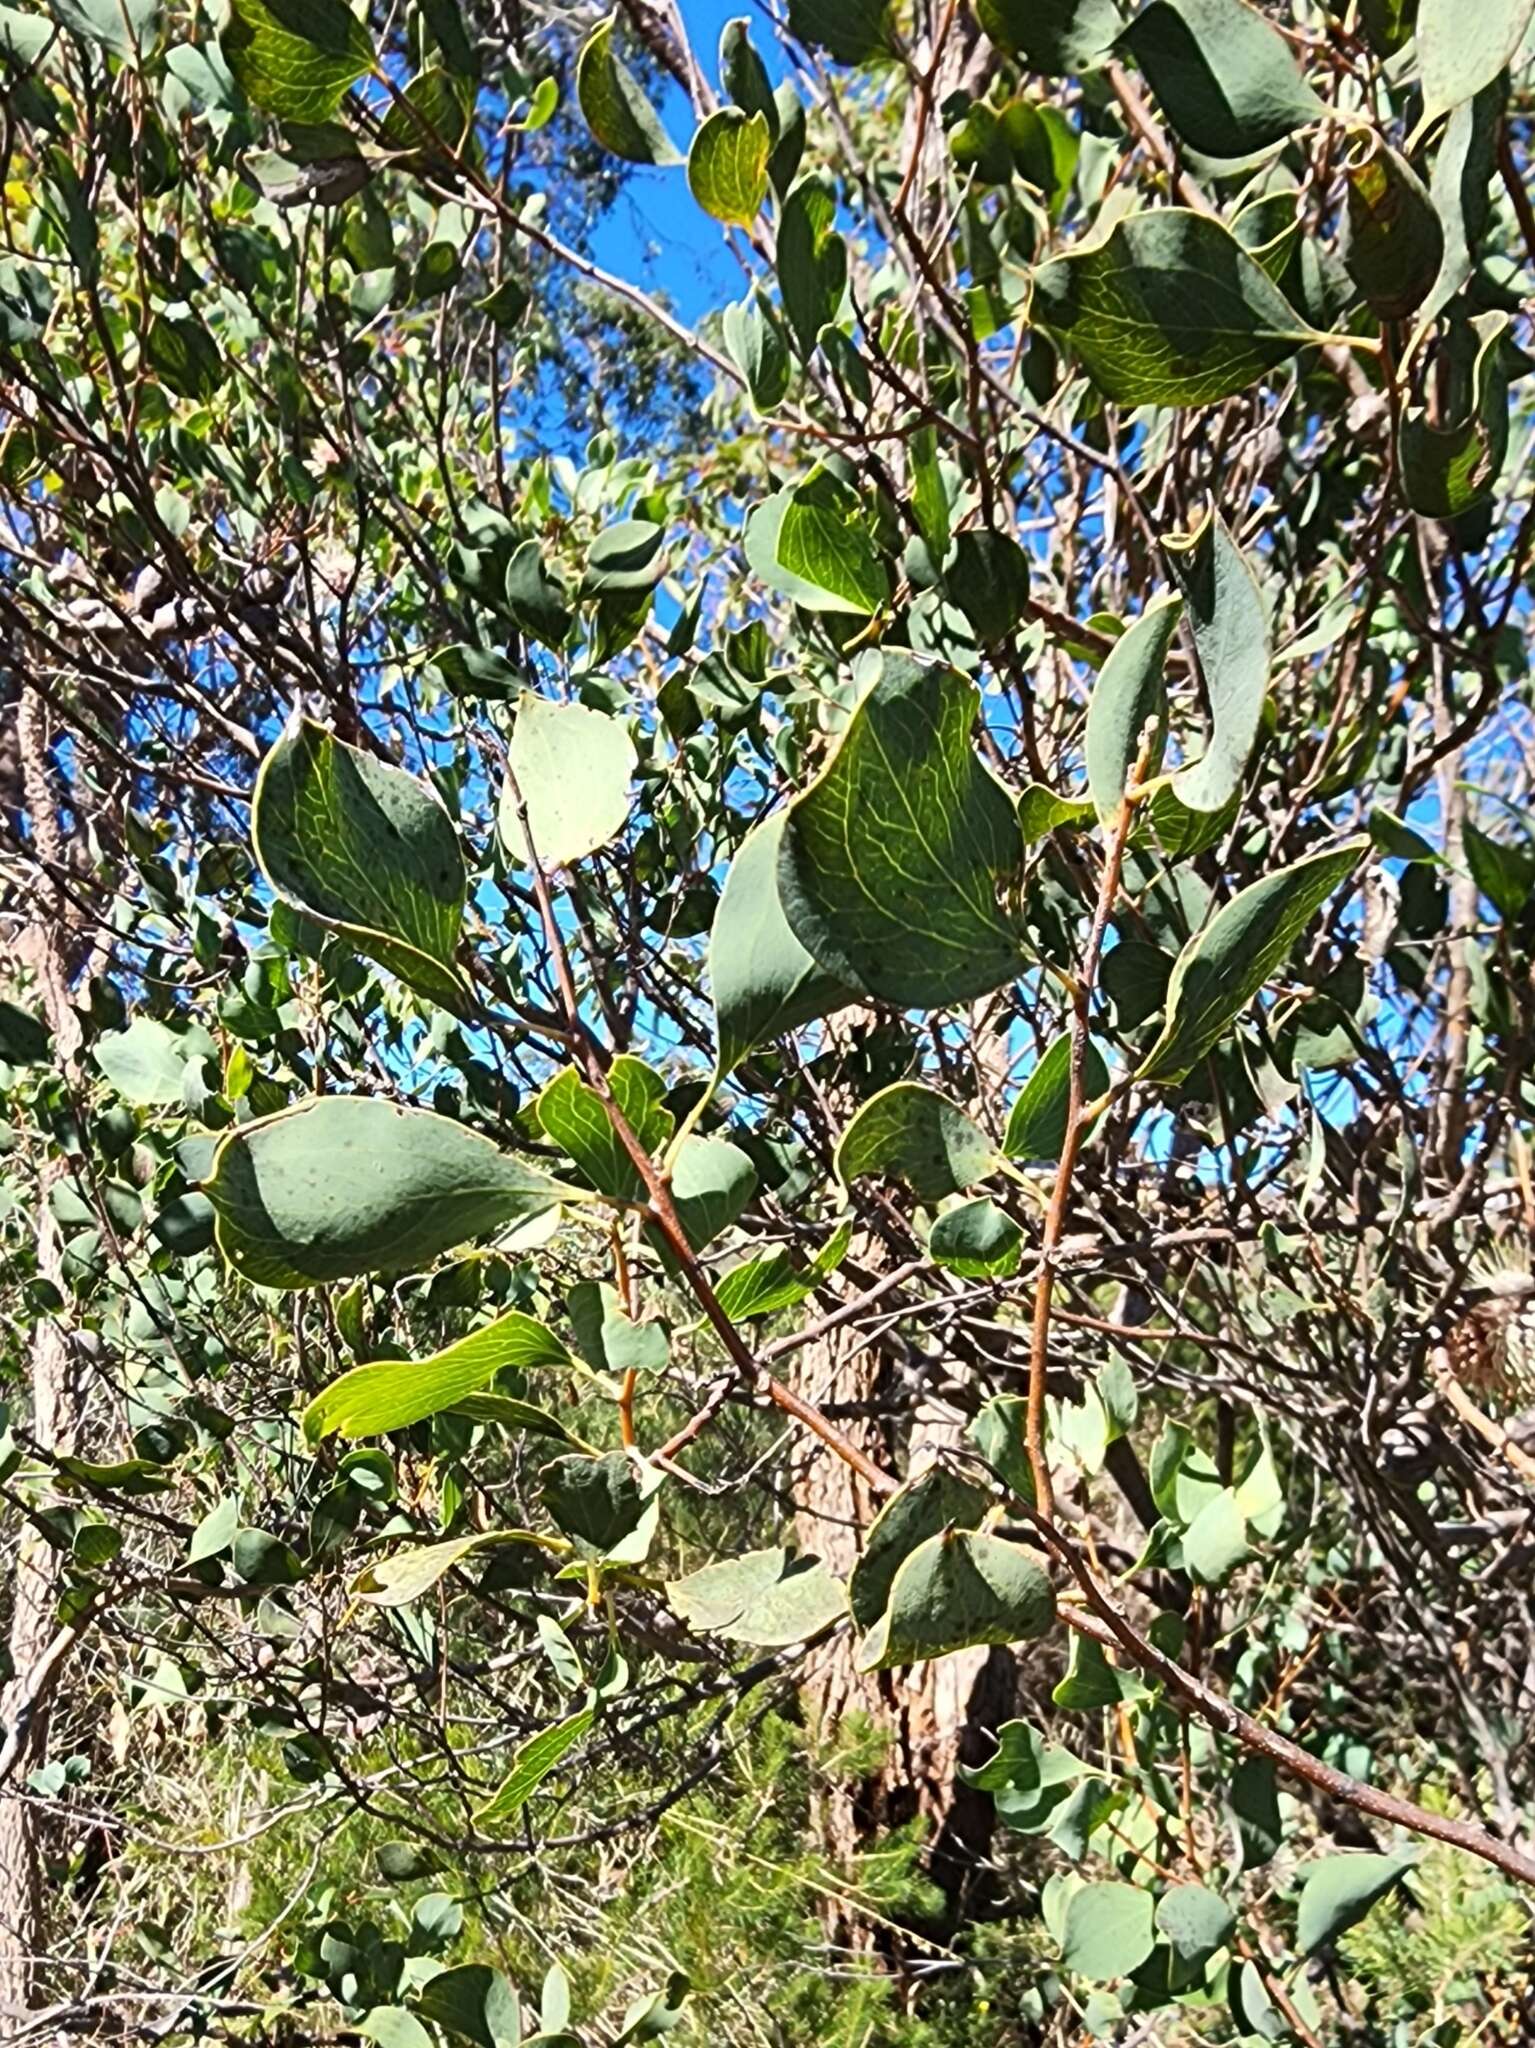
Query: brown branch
column 1060, row 1195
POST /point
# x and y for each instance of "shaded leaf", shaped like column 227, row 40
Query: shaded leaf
column 1225, row 78
column 344, row 1184
column 366, row 849
column 1234, row 645
column 912, row 1133
column 1169, row 309
column 1219, row 971
column 957, row 1591
column 762, row 980
column 1340, row 1890
column 894, row 860
column 1036, row 1125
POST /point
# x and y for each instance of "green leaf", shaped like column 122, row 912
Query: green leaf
column 910, row 1132
column 1057, row 37
column 512, row 1414
column 977, row 1240
column 604, row 1505
column 537, row 600
column 573, row 767
column 814, row 544
column 998, row 1433
column 1504, row 874
column 1195, row 1922
column 761, row 1287
column 1395, row 242
column 761, row 978
column 391, row 1393
column 1028, row 1778
column 1339, row 1891
column 1040, row 811
column 533, row 1762
column 475, row 2002
column 25, row 1040
column 1169, row 309
column 1219, row 971
column 431, row 118
column 851, row 30
column 574, row 1115
column 1127, row 711
column 1224, row 76
column 811, row 259
column 894, row 860
column 1255, row 1809
column 628, row 555
column 1091, row 1681
column 396, row 1581
column 296, row 58
column 650, row 2017
column 987, row 576
column 128, row 28
column 216, row 1530
column 147, row 1063
column 1215, row 1542
column 728, row 165
column 613, row 106
column 1449, row 468
column 766, row 1598
column 712, row 1182
column 391, row 2026
column 1036, row 1125
column 344, row 1184
column 1234, row 645
column 1464, row 167
column 756, row 346
column 923, row 1508
column 367, row 850
column 184, row 355
column 1108, row 1932
column 957, row 1591
column 1460, row 50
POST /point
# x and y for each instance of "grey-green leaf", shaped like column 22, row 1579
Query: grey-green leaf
column 960, row 1590
column 1056, row 37
column 765, row 1597
column 1109, row 1931
column 345, row 1184
column 1169, row 309
column 1036, row 1127
column 1127, row 711
column 1339, row 1891
column 1233, row 642
column 366, row 849
column 1219, row 971
column 913, row 1133
column 976, row 1240
column 1449, row 468
column 1461, row 49
column 1225, row 77
column 762, row 980
column 923, row 1508
column 897, row 862
column 573, row 767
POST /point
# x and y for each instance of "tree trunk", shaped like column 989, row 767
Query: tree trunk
column 43, row 949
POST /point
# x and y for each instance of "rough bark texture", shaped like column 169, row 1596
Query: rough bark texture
column 40, row 949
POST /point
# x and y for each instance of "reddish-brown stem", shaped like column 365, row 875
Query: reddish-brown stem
column 659, row 1195
column 1060, row 1194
